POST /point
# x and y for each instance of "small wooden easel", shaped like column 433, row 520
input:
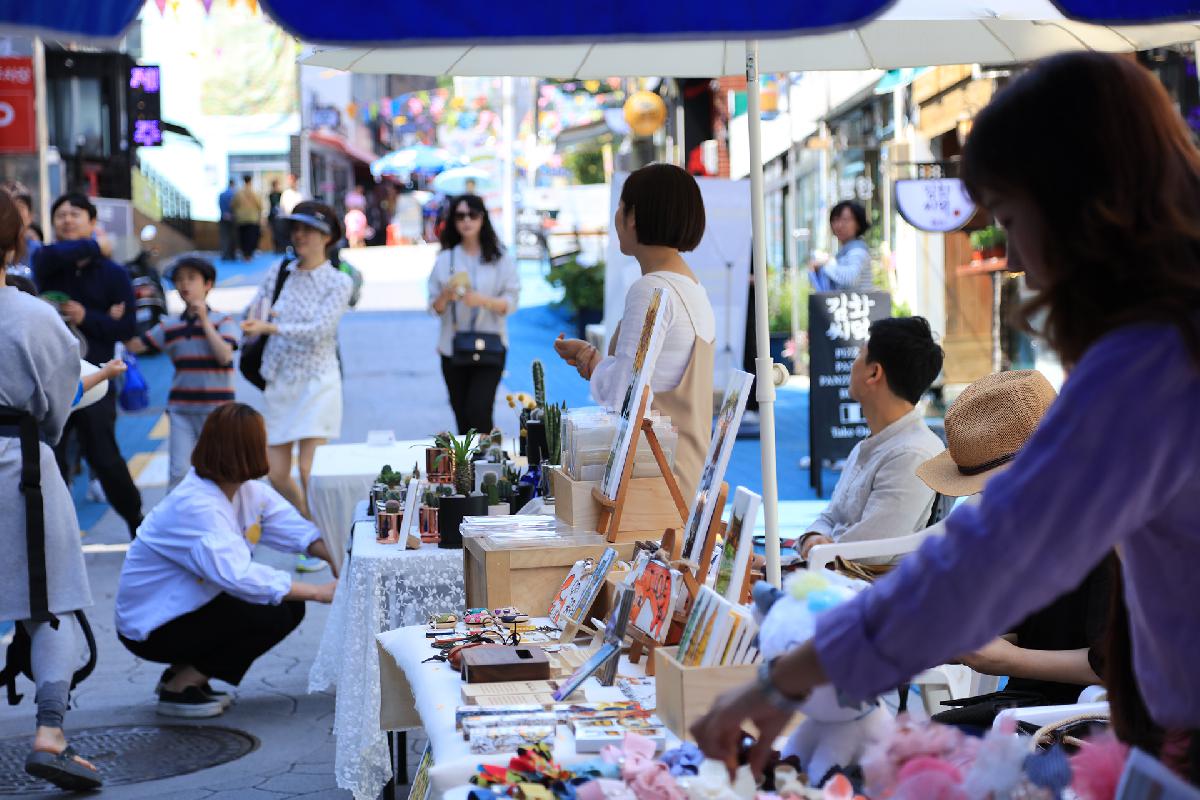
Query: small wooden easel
column 693, row 577
column 609, row 522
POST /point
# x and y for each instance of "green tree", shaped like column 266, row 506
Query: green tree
column 586, row 165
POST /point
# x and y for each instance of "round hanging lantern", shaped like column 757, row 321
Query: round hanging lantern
column 645, row 112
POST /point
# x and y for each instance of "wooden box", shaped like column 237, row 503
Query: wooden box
column 649, row 509
column 526, row 574
column 686, row 693
column 495, row 663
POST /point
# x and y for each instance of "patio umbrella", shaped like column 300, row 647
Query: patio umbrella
column 92, row 19
column 910, row 33
column 454, row 181
column 420, row 158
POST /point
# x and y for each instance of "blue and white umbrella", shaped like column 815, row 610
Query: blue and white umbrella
column 420, row 159
column 454, row 181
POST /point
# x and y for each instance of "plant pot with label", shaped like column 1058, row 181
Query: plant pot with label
column 450, row 517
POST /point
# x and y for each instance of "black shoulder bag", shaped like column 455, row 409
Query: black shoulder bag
column 472, row 348
column 17, row 659
column 250, row 361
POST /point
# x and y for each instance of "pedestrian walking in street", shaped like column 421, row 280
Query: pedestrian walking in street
column 102, row 308
column 473, row 288
column 279, row 228
column 288, row 199
column 247, row 214
column 43, row 585
column 850, row 268
column 307, row 297
column 200, row 343
column 226, row 227
column 190, row 594
column 659, row 217
column 1114, row 463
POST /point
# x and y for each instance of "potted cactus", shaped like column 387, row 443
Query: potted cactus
column 465, row 501
column 428, row 516
column 491, row 489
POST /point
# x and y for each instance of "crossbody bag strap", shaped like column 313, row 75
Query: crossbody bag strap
column 279, row 280
column 454, row 303
column 35, row 521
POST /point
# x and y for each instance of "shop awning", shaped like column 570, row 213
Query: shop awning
column 336, row 141
column 898, row 78
column 99, row 19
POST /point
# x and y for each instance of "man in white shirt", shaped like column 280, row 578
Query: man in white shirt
column 879, row 494
column 290, row 196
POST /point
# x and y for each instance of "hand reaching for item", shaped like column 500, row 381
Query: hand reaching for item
column 258, row 327
column 112, row 369
column 578, row 354
column 73, row 311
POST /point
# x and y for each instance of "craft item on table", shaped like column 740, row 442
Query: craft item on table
column 387, row 523
column 733, row 556
column 592, row 737
column 499, row 663
column 463, row 712
column 443, row 622
column 510, row 614
column 614, row 630
column 597, row 660
column 712, row 783
column 639, row 690
column 579, row 597
column 717, row 633
column 488, row 741
column 572, row 585
column 410, row 524
column 513, row 527
column 570, row 711
column 478, row 616
column 639, row 379
column 653, row 592
column 532, row 765
column 683, row 760
column 474, row 721
column 835, row 730
column 703, row 507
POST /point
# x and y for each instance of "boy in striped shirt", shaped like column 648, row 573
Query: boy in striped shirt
column 200, row 343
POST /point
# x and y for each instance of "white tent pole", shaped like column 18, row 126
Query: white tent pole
column 763, row 370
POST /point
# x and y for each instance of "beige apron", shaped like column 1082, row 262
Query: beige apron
column 690, row 406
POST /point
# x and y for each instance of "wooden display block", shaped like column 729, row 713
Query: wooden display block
column 649, row 507
column 686, row 693
column 527, row 574
column 493, row 664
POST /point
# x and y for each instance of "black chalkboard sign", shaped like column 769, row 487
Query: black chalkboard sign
column 837, row 328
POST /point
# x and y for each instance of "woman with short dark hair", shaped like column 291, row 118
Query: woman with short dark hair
column 474, row 286
column 850, row 268
column 1115, row 462
column 190, row 594
column 661, row 215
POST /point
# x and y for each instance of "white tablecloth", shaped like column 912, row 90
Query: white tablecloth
column 437, row 692
column 342, row 475
column 383, row 587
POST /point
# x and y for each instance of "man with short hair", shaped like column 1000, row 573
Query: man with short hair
column 102, row 307
column 879, row 494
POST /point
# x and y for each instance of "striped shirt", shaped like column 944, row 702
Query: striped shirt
column 201, row 383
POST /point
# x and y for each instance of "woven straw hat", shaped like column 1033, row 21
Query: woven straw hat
column 985, row 428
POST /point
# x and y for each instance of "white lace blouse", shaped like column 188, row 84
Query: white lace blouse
column 307, row 314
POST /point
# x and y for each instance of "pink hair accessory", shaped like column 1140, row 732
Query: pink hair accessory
column 928, row 778
column 1097, row 767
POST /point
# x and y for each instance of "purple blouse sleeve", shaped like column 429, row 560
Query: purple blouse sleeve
column 1096, row 471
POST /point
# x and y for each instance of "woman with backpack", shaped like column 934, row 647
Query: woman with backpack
column 307, row 298
column 44, row 576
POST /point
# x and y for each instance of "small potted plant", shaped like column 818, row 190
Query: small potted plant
column 988, row 243
column 465, row 501
column 491, row 488
column 428, row 517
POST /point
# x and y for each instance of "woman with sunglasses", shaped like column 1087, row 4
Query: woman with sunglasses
column 474, row 287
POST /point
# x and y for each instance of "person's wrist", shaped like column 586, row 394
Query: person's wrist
column 766, row 684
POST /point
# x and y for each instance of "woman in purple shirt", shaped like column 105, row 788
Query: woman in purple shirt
column 1087, row 164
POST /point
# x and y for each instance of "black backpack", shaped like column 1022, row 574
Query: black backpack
column 17, row 658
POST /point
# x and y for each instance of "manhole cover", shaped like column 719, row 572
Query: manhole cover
column 127, row 754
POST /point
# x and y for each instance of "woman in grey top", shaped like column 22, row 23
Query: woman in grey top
column 473, row 287
column 850, row 268
column 38, row 383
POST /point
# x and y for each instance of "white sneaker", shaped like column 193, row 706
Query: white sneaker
column 309, row 564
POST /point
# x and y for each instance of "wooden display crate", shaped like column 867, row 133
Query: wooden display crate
column 686, row 693
column 526, row 574
column 649, row 509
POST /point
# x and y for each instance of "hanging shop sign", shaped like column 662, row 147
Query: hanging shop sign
column 838, row 325
column 934, row 205
column 145, row 105
column 18, row 123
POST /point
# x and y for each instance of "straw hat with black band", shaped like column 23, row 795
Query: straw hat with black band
column 986, row 427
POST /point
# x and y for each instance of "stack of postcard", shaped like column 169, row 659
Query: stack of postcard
column 511, row 526
column 591, row 735
column 587, row 442
column 718, row 633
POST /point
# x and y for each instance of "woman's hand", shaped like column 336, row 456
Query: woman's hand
column 323, row 592
column 316, row 592
column 719, row 732
column 258, row 327
column 73, row 311
column 578, row 354
column 474, row 299
column 997, row 657
column 112, row 369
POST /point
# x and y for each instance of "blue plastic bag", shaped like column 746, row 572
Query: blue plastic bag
column 135, row 393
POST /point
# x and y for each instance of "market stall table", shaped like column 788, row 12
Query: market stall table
column 382, row 587
column 425, row 695
column 342, row 475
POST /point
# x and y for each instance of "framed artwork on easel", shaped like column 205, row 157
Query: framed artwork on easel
column 731, row 562
column 708, row 493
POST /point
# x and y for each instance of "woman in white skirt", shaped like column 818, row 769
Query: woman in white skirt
column 303, row 398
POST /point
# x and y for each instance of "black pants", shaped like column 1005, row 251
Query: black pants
column 281, row 234
column 227, row 232
column 95, row 428
column 472, row 393
column 248, row 235
column 220, row 639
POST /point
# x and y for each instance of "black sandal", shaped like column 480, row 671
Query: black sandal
column 62, row 770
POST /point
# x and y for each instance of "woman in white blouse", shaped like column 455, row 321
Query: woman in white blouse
column 303, row 398
column 473, row 287
column 190, row 594
column 659, row 216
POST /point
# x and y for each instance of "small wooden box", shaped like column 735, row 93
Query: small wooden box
column 527, row 575
column 686, row 693
column 493, row 664
column 649, row 509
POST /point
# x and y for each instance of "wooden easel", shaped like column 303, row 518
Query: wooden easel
column 643, row 642
column 609, row 522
